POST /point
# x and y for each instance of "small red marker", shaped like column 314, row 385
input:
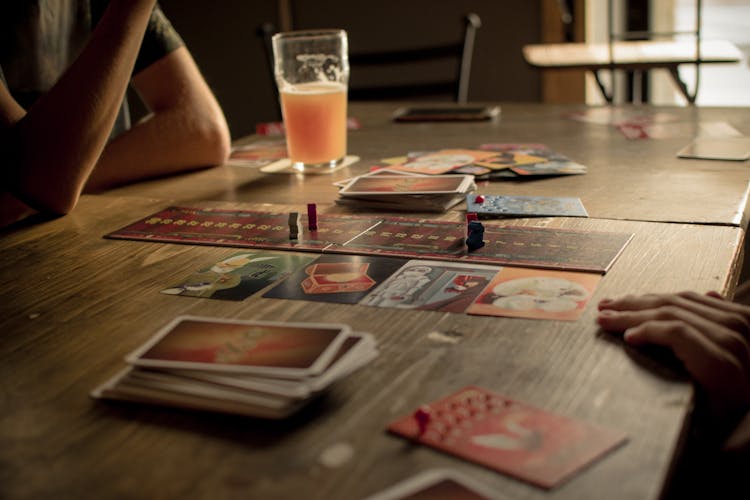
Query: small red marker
column 423, row 416
column 479, row 199
column 312, row 217
column 470, row 216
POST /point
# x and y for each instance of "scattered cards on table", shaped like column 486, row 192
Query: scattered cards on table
column 441, row 162
column 531, row 444
column 438, row 484
column 253, row 368
column 524, row 159
column 430, row 285
column 489, row 206
column 495, row 161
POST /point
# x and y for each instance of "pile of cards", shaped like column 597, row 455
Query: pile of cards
column 253, row 368
column 399, row 191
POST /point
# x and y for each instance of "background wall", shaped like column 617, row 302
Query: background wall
column 223, row 38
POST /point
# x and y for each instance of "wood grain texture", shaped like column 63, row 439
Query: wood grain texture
column 73, row 304
column 626, row 179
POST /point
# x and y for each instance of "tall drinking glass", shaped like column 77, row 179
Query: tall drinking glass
column 312, row 73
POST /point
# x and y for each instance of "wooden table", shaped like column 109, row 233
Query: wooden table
column 74, row 303
column 627, row 179
column 634, row 56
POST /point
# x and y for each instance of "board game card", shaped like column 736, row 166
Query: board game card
column 536, row 294
column 509, row 436
column 530, row 159
column 378, row 171
column 433, row 286
column 401, row 185
column 239, row 275
column 289, row 350
column 708, row 148
column 343, row 279
column 437, row 484
column 489, row 205
column 440, row 162
column 356, row 351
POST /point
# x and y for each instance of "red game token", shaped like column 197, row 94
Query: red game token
column 479, row 199
column 422, row 416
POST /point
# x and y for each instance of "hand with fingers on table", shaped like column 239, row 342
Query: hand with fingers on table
column 710, row 335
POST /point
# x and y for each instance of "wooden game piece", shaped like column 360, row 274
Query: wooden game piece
column 475, row 239
column 293, row 225
column 312, row 217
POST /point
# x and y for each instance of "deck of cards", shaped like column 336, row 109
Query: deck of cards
column 395, row 191
column 252, row 368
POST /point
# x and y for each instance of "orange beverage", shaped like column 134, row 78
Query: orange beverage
column 315, row 122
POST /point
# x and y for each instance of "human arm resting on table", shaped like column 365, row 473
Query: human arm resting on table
column 185, row 130
column 51, row 148
column 710, row 335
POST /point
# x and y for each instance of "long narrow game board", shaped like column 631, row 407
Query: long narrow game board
column 396, row 236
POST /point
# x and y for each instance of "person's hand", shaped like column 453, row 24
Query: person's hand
column 707, row 333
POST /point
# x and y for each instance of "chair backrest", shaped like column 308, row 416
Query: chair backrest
column 361, row 88
column 455, row 85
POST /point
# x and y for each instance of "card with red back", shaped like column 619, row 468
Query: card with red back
column 509, row 436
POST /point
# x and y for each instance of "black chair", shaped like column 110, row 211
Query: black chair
column 454, row 84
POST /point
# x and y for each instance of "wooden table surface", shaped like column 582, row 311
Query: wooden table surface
column 73, row 304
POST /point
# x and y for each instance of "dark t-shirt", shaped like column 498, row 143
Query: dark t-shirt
column 39, row 39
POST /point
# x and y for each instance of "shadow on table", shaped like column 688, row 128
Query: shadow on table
column 255, row 432
column 656, row 359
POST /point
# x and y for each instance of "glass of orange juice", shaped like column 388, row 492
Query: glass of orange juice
column 312, row 73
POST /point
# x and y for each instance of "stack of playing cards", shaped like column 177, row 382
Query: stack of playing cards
column 399, row 192
column 254, row 368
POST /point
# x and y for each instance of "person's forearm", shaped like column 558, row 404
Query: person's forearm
column 162, row 144
column 185, row 130
column 59, row 140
